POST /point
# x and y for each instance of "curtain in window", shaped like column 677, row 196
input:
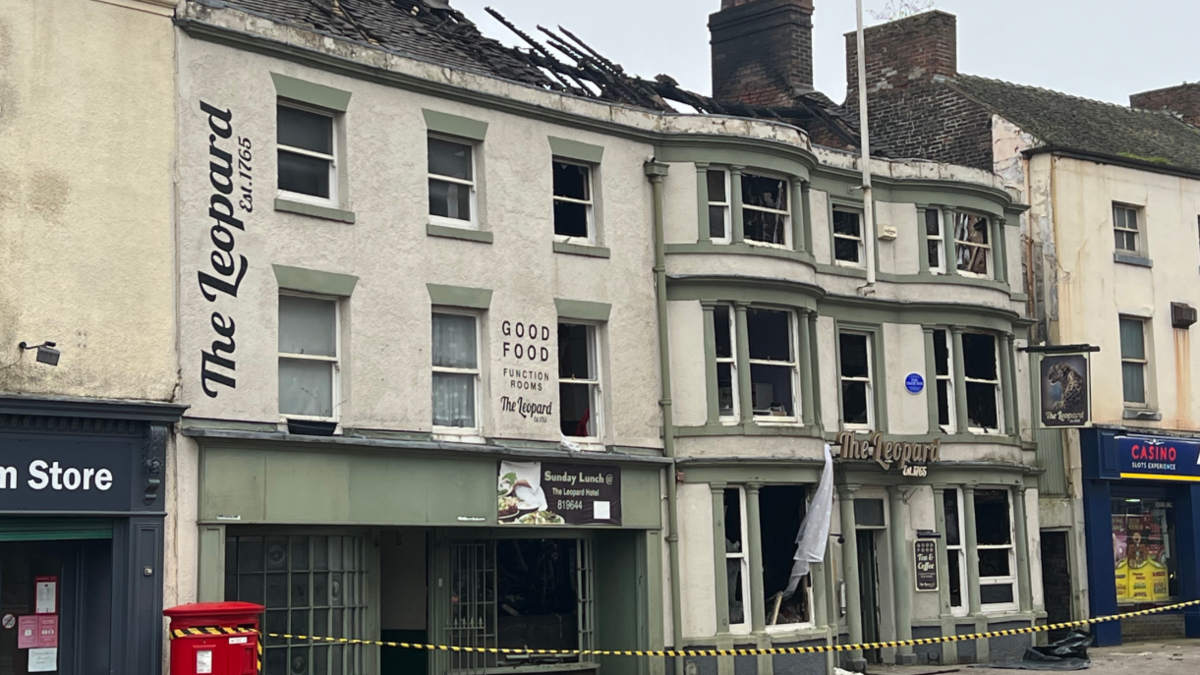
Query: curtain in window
column 454, row 393
column 1133, row 370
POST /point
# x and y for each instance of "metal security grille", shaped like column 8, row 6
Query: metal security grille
column 472, row 618
column 584, row 583
column 310, row 585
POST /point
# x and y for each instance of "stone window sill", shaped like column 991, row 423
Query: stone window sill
column 460, row 233
column 1141, row 414
column 326, row 212
column 577, row 249
column 1129, row 259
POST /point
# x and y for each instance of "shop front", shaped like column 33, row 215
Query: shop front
column 390, row 541
column 1142, row 511
column 81, row 535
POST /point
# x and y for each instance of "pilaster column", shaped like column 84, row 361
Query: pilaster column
column 960, row 383
column 815, row 356
column 1008, row 384
column 807, row 379
column 949, row 649
column 923, row 237
column 1012, row 378
column 902, row 585
column 850, row 567
column 735, row 203
column 703, row 231
column 756, row 601
column 720, row 569
column 948, row 240
column 746, row 403
column 710, row 362
column 931, row 394
column 796, row 206
column 972, row 544
column 1000, row 248
column 806, row 211
column 1021, row 546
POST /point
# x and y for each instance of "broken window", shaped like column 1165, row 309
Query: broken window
column 451, row 182
column 718, row 205
column 935, row 240
column 726, row 356
column 854, row 352
column 1125, row 228
column 737, row 565
column 997, row 558
column 956, row 556
column 573, row 214
column 944, row 379
column 781, row 509
column 578, row 381
column 773, row 364
column 982, row 380
column 1133, row 360
column 972, row 243
column 305, row 142
column 847, row 236
column 765, row 214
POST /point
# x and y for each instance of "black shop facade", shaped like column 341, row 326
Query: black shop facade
column 81, row 535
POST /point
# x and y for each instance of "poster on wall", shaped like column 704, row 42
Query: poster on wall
column 546, row 493
column 925, row 552
column 1140, row 558
column 1065, row 395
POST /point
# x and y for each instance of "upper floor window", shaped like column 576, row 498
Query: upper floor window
column 455, row 351
column 1125, row 228
column 308, row 357
column 579, row 381
column 765, row 215
column 726, row 356
column 574, row 214
column 719, row 223
column 451, row 182
column 935, row 241
column 982, row 380
column 1133, row 360
column 972, row 244
column 848, row 237
column 773, row 363
column 858, row 398
column 944, row 376
column 306, row 143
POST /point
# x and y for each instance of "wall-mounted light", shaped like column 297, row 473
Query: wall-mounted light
column 46, row 352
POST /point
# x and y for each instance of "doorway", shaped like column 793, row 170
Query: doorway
column 1056, row 579
column 868, row 584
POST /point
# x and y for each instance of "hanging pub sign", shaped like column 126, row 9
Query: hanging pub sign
column 1065, row 390
column 925, row 564
column 546, row 493
column 912, row 458
column 1158, row 458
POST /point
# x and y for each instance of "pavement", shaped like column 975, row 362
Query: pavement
column 1171, row 657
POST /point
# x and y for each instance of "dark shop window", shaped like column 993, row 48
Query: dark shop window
column 573, row 204
column 782, row 509
column 997, row 560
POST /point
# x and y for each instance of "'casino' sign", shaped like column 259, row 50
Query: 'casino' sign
column 1158, row 458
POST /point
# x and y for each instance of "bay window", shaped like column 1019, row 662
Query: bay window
column 972, row 244
column 773, row 363
column 737, row 560
column 944, row 379
column 997, row 555
column 765, row 215
column 982, row 381
column 719, row 205
column 726, row 357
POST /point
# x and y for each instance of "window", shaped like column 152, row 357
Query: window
column 765, row 214
column 997, row 556
column 858, row 406
column 783, row 508
column 718, row 205
column 944, row 378
column 310, row 585
column 956, row 555
column 578, row 381
column 727, row 393
column 451, row 182
column 455, row 371
column 773, row 364
column 737, row 563
column 982, row 380
column 972, row 244
column 1144, row 543
column 306, row 145
column 308, row 357
column 1125, row 228
column 573, row 207
column 1133, row 360
column 935, row 241
column 847, row 237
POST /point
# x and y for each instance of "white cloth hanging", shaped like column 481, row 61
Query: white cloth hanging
column 813, row 535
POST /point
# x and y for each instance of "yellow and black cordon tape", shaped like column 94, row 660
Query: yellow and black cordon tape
column 220, row 630
column 816, row 649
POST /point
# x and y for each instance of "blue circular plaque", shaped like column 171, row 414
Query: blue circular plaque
column 914, row 383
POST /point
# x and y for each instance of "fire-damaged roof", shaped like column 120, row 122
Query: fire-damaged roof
column 431, row 30
column 1104, row 130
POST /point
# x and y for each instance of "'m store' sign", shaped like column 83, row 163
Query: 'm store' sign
column 66, row 475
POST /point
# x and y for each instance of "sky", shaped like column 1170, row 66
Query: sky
column 1100, row 49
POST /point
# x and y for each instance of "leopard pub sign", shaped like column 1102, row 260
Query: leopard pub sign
column 1065, row 395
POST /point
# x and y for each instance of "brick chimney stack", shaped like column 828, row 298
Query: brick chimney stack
column 903, row 54
column 761, row 51
column 1183, row 100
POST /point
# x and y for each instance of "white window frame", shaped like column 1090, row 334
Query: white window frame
column 589, row 203
column 959, row 550
column 471, row 223
column 462, row 433
column 1135, row 211
column 806, row 588
column 939, row 238
column 1011, row 579
column 744, row 556
column 594, row 384
column 793, row 365
column 335, row 146
column 997, row 387
column 951, row 425
column 861, row 238
column 869, row 379
column 989, row 259
column 1144, row 362
column 786, row 213
column 336, row 379
column 732, row 359
column 727, row 205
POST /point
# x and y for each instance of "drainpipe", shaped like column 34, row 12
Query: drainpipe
column 657, row 171
column 868, row 202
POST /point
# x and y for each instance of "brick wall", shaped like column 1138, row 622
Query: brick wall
column 1183, row 100
column 1152, row 627
column 761, row 50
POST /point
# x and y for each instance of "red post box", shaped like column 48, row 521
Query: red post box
column 215, row 638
